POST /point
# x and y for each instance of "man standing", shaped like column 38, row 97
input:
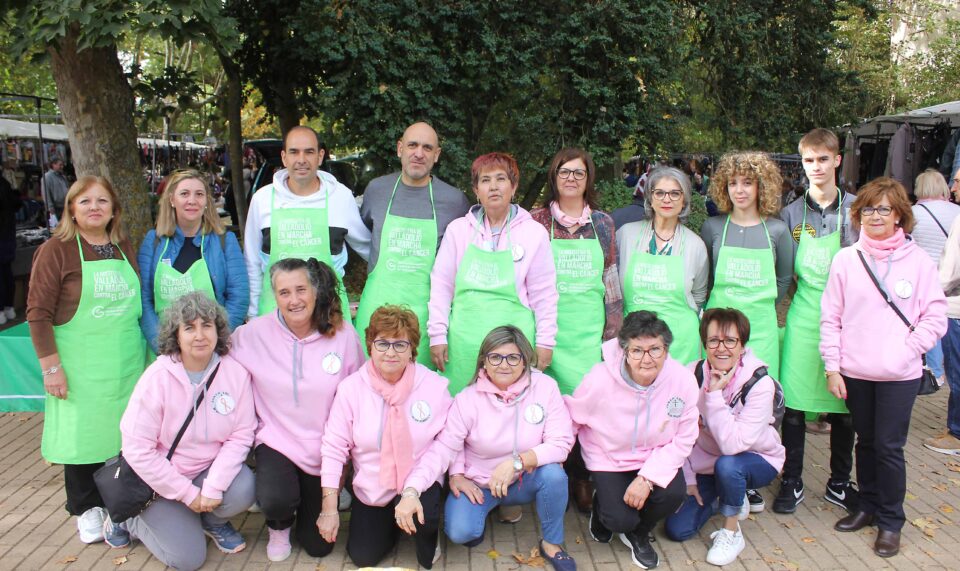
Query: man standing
column 305, row 213
column 408, row 213
column 820, row 223
column 55, row 187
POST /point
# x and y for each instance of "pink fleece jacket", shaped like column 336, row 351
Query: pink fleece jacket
column 355, row 429
column 219, row 436
column 729, row 431
column 860, row 335
column 535, row 273
column 624, row 429
column 482, row 431
column 294, row 382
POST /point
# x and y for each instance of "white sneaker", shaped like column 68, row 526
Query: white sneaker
column 278, row 546
column 9, row 312
column 3, row 317
column 727, row 545
column 744, row 509
column 90, row 525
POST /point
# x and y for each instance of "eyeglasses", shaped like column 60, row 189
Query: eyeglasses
column 578, row 174
column 383, row 345
column 881, row 210
column 513, row 359
column 728, row 342
column 674, row 195
column 637, row 353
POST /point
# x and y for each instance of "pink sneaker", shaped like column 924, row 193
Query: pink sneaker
column 278, row 546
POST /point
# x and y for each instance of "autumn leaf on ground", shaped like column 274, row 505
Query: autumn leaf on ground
column 953, row 466
column 946, row 508
column 492, row 554
column 809, row 540
column 911, row 496
column 68, row 559
column 320, row 567
column 954, row 481
column 940, row 488
column 533, row 560
column 120, row 560
column 579, row 540
column 787, row 524
column 926, row 525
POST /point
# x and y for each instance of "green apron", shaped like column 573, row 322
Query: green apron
column 169, row 284
column 298, row 233
column 746, row 279
column 580, row 310
column 804, row 386
column 484, row 297
column 657, row 283
column 102, row 351
column 408, row 247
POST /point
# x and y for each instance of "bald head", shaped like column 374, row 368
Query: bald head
column 418, row 149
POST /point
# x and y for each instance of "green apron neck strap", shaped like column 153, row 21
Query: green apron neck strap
column 806, row 197
column 506, row 227
column 433, row 205
column 80, row 249
column 723, row 240
column 552, row 220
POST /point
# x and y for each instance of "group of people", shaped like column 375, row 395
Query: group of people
column 499, row 357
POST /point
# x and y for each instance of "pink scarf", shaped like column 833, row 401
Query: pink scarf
column 396, row 450
column 568, row 221
column 881, row 249
column 485, row 385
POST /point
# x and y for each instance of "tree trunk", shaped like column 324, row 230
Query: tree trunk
column 97, row 106
column 288, row 111
column 235, row 141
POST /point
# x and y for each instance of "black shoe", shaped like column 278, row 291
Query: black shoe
column 477, row 541
column 598, row 532
column 757, row 504
column 791, row 494
column 643, row 554
column 843, row 493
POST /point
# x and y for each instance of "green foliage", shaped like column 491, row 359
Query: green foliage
column 698, row 212
column 613, row 194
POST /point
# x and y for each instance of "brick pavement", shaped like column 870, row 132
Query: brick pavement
column 36, row 532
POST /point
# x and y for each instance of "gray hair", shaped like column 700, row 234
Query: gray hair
column 504, row 335
column 186, row 309
column 654, row 177
column 931, row 184
column 639, row 324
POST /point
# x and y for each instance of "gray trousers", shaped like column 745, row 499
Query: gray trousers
column 174, row 534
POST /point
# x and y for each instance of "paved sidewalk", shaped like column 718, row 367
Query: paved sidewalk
column 36, row 532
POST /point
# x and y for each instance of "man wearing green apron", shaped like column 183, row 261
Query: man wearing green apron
column 820, row 225
column 407, row 213
column 305, row 213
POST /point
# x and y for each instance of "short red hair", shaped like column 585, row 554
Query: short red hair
column 493, row 161
column 394, row 321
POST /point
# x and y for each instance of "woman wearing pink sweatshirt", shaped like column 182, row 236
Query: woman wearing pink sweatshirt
column 297, row 355
column 872, row 357
column 506, row 435
column 205, row 481
column 636, row 415
column 494, row 268
column 383, row 419
column 738, row 447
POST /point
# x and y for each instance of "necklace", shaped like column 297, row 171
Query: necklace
column 661, row 238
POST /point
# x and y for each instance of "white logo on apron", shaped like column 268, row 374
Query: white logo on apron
column 331, row 363
column 534, row 413
column 675, row 407
column 420, row 411
column 223, row 403
column 903, row 289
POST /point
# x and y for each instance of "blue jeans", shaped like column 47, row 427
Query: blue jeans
column 935, row 359
column 951, row 361
column 721, row 491
column 547, row 485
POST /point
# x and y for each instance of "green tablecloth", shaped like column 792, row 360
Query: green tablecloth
column 21, row 385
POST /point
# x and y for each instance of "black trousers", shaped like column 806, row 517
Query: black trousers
column 82, row 492
column 7, row 284
column 288, row 495
column 618, row 517
column 794, row 433
column 881, row 416
column 574, row 466
column 374, row 531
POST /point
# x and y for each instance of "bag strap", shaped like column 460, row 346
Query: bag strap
column 883, row 293
column 186, row 423
column 758, row 374
column 698, row 373
column 942, row 229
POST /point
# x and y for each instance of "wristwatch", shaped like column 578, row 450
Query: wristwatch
column 517, row 463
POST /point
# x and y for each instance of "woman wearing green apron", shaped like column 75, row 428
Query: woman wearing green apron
column 190, row 251
column 665, row 263
column 408, row 247
column 751, row 251
column 83, row 308
column 494, row 267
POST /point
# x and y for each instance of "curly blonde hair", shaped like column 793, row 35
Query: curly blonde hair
column 755, row 165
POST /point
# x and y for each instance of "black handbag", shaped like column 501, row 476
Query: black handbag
column 124, row 493
column 928, row 383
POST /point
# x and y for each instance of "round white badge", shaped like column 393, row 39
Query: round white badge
column 223, row 403
column 331, row 363
column 903, row 289
column 420, row 411
column 517, row 252
column 675, row 407
column 533, row 414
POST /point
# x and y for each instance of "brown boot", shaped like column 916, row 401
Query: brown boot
column 888, row 543
column 854, row 522
column 583, row 495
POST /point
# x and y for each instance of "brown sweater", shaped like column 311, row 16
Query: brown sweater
column 55, row 285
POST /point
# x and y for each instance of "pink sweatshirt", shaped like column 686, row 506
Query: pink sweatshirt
column 355, row 430
column 482, row 431
column 294, row 381
column 535, row 273
column 219, row 436
column 625, row 429
column 743, row 428
column 860, row 335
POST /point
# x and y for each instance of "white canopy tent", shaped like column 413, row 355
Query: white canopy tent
column 888, row 124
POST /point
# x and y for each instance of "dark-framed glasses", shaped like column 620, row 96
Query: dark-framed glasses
column 513, row 359
column 728, row 342
column 674, row 195
column 383, row 345
column 577, row 174
column 881, row 210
